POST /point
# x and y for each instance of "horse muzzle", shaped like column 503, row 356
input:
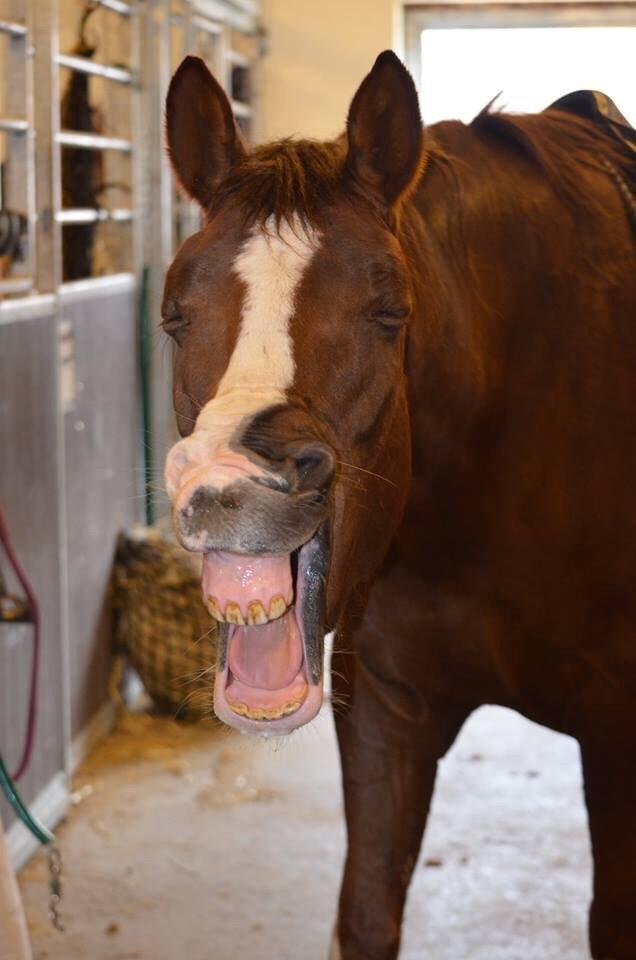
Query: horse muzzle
column 230, row 503
column 263, row 531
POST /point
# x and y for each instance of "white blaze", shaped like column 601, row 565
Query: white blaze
column 271, row 264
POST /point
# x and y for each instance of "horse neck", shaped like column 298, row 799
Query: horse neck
column 504, row 268
column 453, row 336
column 475, row 254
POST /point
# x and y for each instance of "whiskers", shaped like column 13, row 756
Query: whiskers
column 204, row 636
column 195, row 404
column 339, row 704
column 203, row 701
column 356, row 483
column 340, row 701
column 370, row 473
column 352, row 482
column 203, row 681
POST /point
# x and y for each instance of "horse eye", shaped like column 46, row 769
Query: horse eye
column 391, row 320
column 174, row 325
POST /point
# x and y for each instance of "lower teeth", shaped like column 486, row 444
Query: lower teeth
column 264, row 713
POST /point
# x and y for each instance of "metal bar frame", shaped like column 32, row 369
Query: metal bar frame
column 38, row 44
column 30, row 143
column 117, row 6
column 237, row 59
column 233, row 13
column 72, row 215
column 241, row 109
column 14, row 125
column 13, row 27
column 60, row 218
column 16, row 285
column 134, row 12
column 44, row 113
column 92, row 141
column 197, row 22
column 18, row 127
column 83, row 65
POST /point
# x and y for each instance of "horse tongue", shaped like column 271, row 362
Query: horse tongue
column 267, row 657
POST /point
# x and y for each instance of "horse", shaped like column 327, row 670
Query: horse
column 405, row 381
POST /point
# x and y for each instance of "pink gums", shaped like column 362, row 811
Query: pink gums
column 234, row 578
column 265, row 668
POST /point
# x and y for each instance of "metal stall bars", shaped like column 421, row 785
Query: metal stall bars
column 29, row 421
column 192, row 33
column 17, row 180
column 226, row 36
column 241, row 48
column 97, row 139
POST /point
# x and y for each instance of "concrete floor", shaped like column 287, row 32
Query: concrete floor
column 200, row 844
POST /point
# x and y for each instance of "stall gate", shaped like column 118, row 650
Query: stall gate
column 96, row 220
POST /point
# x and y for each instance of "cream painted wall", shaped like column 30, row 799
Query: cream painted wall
column 318, row 52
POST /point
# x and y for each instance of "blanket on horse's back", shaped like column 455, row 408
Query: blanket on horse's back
column 602, row 111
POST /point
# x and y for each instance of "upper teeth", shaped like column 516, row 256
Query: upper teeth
column 255, row 614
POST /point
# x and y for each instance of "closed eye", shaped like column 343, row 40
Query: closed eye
column 391, row 320
column 174, row 325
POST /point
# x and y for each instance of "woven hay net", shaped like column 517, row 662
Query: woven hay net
column 161, row 625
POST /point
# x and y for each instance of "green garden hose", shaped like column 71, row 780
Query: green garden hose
column 39, row 831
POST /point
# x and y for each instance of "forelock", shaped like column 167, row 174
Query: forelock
column 286, row 182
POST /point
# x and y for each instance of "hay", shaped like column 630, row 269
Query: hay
column 161, row 625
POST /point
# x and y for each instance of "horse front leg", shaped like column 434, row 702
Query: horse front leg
column 390, row 742
column 610, row 791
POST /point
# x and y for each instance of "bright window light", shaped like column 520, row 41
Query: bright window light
column 463, row 69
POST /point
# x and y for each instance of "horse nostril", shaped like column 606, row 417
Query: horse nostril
column 197, row 514
column 315, row 465
column 228, row 501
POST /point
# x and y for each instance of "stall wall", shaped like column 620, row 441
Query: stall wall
column 29, row 495
column 317, row 54
column 102, row 476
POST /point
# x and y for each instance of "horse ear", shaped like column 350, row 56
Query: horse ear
column 203, row 139
column 384, row 131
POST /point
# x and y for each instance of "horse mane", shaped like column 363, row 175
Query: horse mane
column 289, row 180
column 284, row 180
column 566, row 149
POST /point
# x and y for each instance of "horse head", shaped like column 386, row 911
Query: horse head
column 289, row 310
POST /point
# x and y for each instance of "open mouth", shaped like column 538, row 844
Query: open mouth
column 269, row 675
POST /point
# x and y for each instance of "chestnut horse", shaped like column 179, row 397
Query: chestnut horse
column 405, row 377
